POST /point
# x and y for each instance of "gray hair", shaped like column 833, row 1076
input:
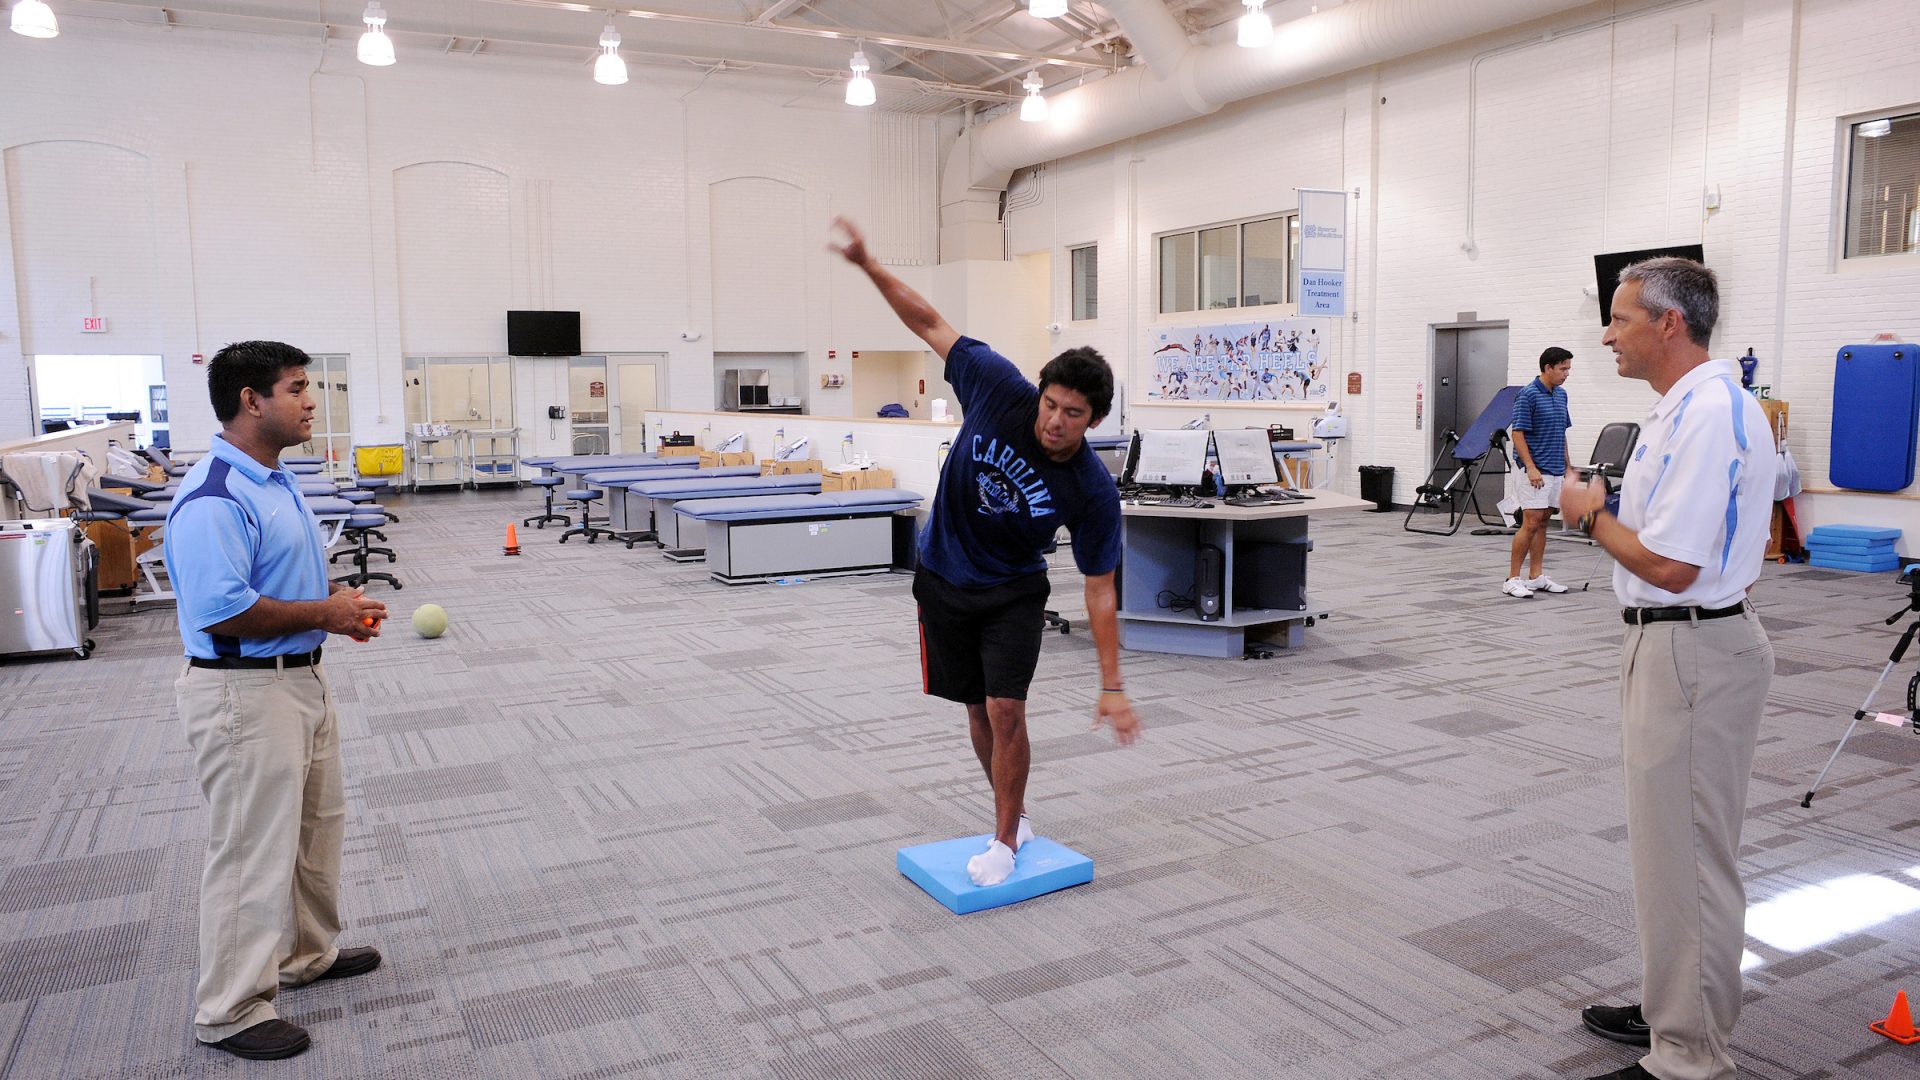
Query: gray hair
column 1669, row 283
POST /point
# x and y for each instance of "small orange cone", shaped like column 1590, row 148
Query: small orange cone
column 1898, row 1025
column 513, row 540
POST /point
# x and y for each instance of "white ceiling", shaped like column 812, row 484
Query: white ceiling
column 927, row 55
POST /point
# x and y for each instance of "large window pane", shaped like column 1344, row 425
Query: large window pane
column 1220, row 267
column 1263, row 262
column 1086, row 283
column 1883, row 187
column 1293, row 255
column 1177, row 258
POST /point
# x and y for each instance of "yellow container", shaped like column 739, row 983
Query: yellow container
column 377, row 460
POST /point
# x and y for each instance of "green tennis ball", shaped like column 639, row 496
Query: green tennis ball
column 430, row 620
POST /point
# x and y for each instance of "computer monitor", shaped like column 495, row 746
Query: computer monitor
column 1129, row 460
column 1246, row 457
column 1172, row 458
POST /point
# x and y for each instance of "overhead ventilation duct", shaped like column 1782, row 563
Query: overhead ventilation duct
column 1180, row 81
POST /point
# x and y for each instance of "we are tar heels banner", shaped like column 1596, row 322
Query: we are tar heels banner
column 1278, row 360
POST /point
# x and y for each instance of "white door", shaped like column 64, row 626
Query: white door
column 634, row 392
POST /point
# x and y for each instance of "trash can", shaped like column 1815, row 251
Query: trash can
column 1376, row 486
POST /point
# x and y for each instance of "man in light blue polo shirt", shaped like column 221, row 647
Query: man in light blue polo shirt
column 249, row 572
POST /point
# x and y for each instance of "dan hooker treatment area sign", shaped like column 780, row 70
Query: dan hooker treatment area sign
column 1323, row 252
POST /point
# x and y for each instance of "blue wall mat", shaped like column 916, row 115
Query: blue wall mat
column 1876, row 412
column 1041, row 867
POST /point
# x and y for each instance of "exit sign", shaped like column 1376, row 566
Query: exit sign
column 93, row 324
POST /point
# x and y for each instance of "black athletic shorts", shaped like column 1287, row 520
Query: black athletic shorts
column 980, row 643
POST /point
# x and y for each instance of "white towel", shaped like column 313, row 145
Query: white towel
column 51, row 481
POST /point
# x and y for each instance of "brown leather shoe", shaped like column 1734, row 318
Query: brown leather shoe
column 268, row 1040
column 351, row 962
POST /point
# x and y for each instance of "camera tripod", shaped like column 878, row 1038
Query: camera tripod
column 1911, row 579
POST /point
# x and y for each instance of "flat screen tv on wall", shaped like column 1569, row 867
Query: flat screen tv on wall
column 543, row 333
column 1606, row 269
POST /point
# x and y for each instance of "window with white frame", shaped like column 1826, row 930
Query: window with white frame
column 1236, row 264
column 1883, row 186
column 1086, row 283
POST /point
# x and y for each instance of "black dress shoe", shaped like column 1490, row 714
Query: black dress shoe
column 1631, row 1072
column 1622, row 1024
column 268, row 1040
column 359, row 961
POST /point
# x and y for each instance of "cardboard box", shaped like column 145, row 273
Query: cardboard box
column 859, row 480
column 709, row 459
column 680, row 451
column 770, row 467
column 1776, row 411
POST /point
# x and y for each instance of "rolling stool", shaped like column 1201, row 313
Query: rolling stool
column 374, row 486
column 586, row 528
column 359, row 530
column 1050, row 618
column 539, row 521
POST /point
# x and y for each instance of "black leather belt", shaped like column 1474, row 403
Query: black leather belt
column 255, row 663
column 1640, row 616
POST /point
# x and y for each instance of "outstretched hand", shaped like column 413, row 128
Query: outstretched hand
column 1115, row 710
column 855, row 248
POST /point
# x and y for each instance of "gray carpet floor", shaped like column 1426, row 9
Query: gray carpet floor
column 623, row 821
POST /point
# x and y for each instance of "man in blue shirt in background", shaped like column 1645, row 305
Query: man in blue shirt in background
column 250, row 574
column 1020, row 469
column 1540, row 422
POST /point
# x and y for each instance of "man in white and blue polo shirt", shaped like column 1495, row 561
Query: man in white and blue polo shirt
column 249, row 572
column 1539, row 429
column 1689, row 535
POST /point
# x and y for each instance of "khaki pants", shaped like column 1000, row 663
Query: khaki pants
column 1691, row 695
column 267, row 749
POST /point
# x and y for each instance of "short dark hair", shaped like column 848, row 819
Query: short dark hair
column 1669, row 283
column 1085, row 370
column 244, row 364
column 1554, row 355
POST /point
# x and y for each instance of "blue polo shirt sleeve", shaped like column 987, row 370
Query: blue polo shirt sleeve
column 1523, row 410
column 212, row 581
column 976, row 372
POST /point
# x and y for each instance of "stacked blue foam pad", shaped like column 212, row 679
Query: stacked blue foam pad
column 1853, row 547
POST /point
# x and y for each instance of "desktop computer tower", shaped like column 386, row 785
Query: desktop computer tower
column 1209, row 582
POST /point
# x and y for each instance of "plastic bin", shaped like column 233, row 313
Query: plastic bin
column 1376, row 486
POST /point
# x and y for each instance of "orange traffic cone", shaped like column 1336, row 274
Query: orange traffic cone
column 513, row 540
column 1898, row 1025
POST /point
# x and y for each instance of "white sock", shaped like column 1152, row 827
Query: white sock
column 1024, row 834
column 992, row 866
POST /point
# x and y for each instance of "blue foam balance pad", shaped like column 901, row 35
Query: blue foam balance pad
column 1869, row 565
column 1854, row 532
column 1865, row 547
column 1040, row 867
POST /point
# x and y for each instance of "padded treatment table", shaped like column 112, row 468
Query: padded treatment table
column 626, row 518
column 831, row 534
column 575, row 466
column 1876, row 413
column 661, row 495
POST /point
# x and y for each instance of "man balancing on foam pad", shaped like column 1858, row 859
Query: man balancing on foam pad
column 1020, row 469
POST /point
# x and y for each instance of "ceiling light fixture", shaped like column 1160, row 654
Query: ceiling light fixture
column 34, row 19
column 859, row 88
column 375, row 48
column 1034, row 108
column 608, row 68
column 1046, row 9
column 1256, row 30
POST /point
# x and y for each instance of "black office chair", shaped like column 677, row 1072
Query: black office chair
column 1051, row 618
column 360, row 530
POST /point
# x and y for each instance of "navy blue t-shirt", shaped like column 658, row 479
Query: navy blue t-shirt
column 1001, row 498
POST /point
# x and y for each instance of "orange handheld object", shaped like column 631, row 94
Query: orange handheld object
column 369, row 623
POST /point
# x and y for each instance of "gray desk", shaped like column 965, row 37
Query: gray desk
column 1270, row 543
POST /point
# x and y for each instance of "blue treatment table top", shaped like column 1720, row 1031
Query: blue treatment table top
column 1294, row 447
column 800, row 507
column 628, row 474
column 1040, row 867
column 590, row 462
column 1107, row 442
column 716, row 487
column 628, row 477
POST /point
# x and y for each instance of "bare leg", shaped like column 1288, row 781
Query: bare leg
column 1537, row 549
column 1518, row 553
column 1010, row 758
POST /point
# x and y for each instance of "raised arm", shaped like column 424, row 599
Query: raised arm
column 912, row 308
